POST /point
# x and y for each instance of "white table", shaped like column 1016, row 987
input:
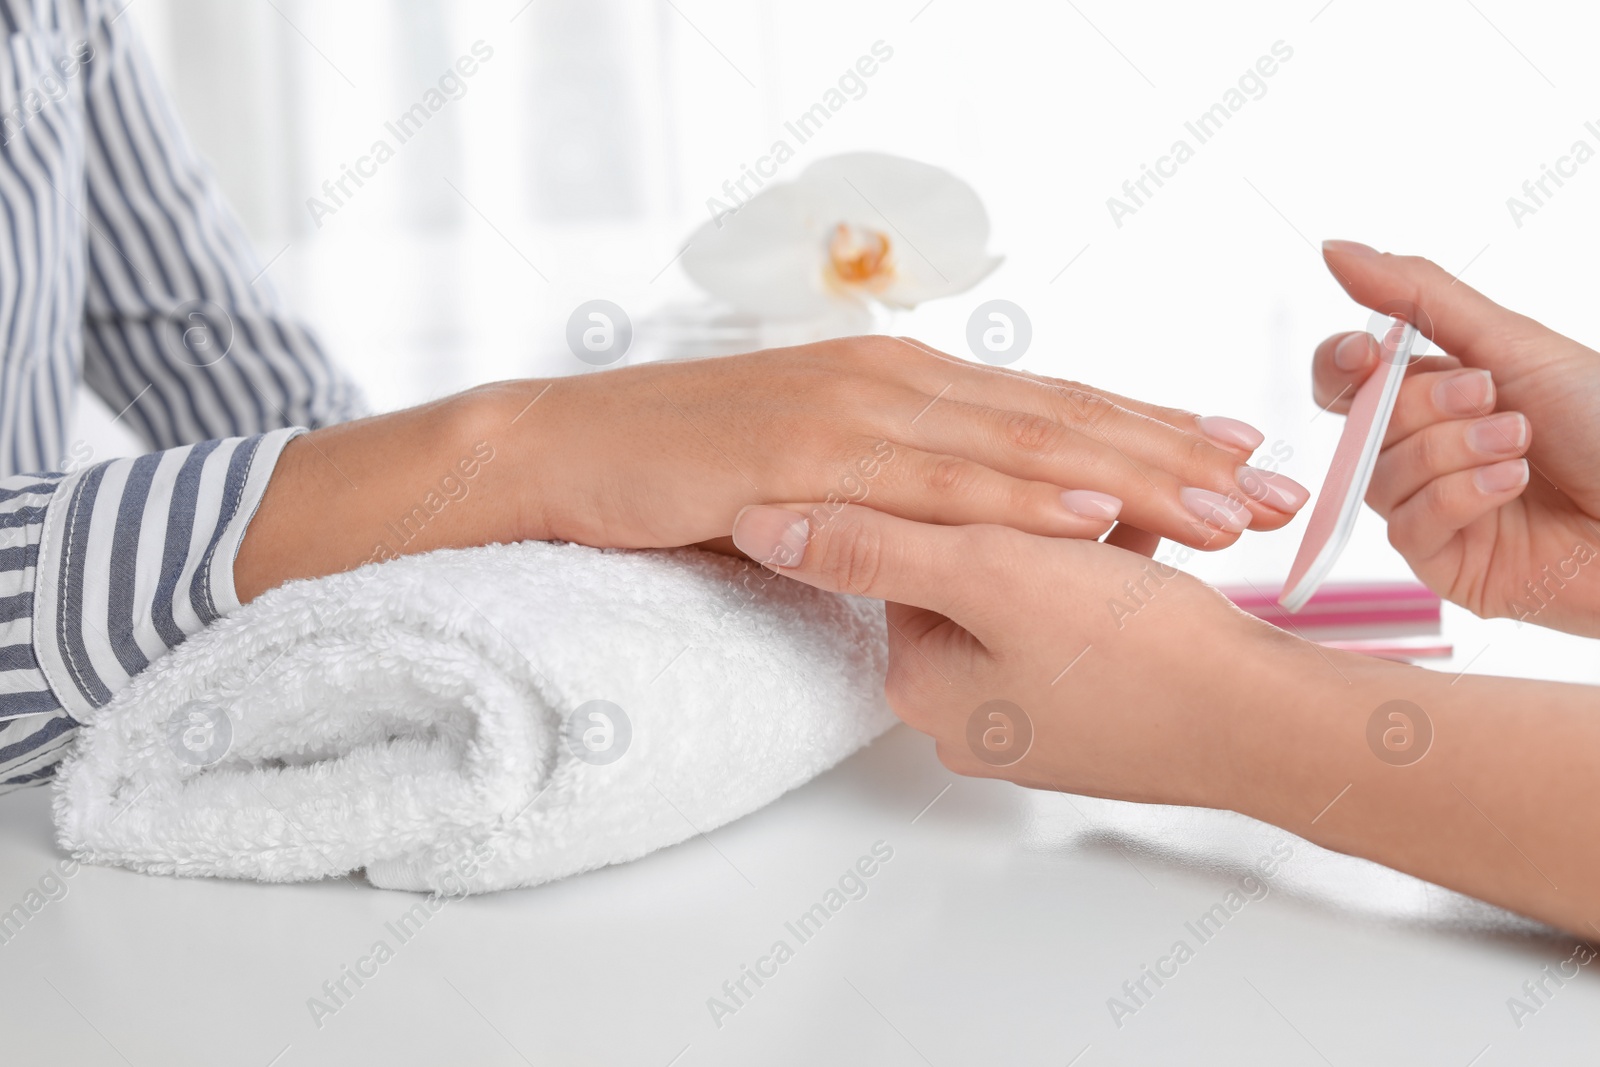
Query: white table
column 997, row 932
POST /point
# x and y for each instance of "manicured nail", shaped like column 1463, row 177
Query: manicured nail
column 1353, row 353
column 771, row 535
column 1218, row 510
column 1504, row 434
column 1502, row 477
column 1470, row 392
column 1231, row 432
column 1349, row 248
column 1102, row 507
column 1274, row 490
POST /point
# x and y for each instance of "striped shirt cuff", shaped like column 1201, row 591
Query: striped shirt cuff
column 119, row 563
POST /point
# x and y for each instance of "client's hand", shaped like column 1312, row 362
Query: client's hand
column 1452, row 480
column 666, row 454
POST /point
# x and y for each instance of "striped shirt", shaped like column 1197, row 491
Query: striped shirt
column 122, row 268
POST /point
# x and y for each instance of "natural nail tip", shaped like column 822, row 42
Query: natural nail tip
column 1272, row 489
column 771, row 535
column 1231, row 432
column 1351, row 354
column 1352, row 248
column 1216, row 509
column 1502, row 477
column 1091, row 504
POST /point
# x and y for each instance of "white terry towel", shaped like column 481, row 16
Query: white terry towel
column 412, row 718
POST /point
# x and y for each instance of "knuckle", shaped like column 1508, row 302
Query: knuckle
column 1080, row 405
column 1427, row 451
column 853, row 555
column 1029, row 432
column 948, row 474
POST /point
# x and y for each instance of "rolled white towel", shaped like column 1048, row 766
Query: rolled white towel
column 429, row 719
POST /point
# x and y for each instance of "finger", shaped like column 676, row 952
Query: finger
column 1445, row 448
column 1425, row 523
column 865, row 552
column 1133, row 539
column 1458, row 318
column 1439, row 396
column 1230, row 434
column 1345, row 360
column 955, row 491
column 1165, row 477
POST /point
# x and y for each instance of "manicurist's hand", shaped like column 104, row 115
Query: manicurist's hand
column 666, row 454
column 1019, row 656
column 1490, row 474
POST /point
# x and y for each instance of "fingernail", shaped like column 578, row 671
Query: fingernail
column 1469, row 393
column 1272, row 489
column 1504, row 434
column 1353, row 352
column 1218, row 510
column 1349, row 248
column 1231, row 432
column 1102, row 507
column 771, row 535
column 1502, row 477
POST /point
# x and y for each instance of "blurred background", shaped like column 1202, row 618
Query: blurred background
column 582, row 154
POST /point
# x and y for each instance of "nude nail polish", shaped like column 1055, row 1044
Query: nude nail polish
column 1272, row 489
column 1102, row 507
column 1220, row 511
column 1231, row 432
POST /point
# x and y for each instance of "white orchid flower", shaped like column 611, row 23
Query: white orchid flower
column 850, row 232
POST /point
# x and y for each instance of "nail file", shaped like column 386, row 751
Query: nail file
column 1338, row 505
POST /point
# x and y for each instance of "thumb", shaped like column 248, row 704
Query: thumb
column 865, row 552
column 1458, row 318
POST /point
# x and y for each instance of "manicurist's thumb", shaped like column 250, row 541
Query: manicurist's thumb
column 868, row 553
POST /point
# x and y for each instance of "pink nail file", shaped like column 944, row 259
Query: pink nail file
column 1338, row 505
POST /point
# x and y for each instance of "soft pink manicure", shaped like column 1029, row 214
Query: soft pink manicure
column 1102, row 507
column 1220, row 511
column 1231, row 432
column 1272, row 489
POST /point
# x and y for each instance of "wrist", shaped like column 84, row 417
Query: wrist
column 379, row 488
column 1325, row 724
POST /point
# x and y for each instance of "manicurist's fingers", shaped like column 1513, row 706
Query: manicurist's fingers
column 1345, row 360
column 950, row 570
column 1424, row 524
column 1445, row 448
column 1460, row 320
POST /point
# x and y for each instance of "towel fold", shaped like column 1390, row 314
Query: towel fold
column 474, row 720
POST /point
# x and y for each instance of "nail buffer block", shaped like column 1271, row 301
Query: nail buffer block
column 1338, row 505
